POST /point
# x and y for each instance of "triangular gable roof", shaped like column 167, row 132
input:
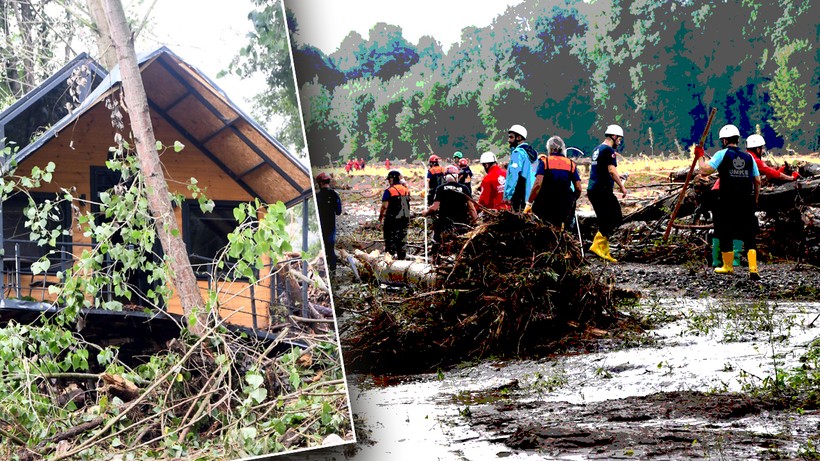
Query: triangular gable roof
column 199, row 110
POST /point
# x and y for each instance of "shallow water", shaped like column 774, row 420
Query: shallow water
column 418, row 418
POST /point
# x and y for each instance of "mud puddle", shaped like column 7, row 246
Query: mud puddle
column 666, row 394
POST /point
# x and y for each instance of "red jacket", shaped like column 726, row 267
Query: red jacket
column 492, row 189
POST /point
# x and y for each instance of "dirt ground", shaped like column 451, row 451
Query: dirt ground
column 655, row 426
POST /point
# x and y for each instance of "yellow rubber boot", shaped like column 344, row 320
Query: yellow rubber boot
column 728, row 261
column 752, row 255
column 607, row 254
column 596, row 245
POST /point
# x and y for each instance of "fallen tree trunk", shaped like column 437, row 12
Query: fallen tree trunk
column 414, row 273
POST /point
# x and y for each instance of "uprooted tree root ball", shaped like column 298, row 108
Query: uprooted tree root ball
column 513, row 286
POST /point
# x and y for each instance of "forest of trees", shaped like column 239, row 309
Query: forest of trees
column 569, row 68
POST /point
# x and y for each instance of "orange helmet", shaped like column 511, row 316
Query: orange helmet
column 463, row 162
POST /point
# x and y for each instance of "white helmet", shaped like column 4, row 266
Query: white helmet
column 615, row 130
column 519, row 130
column 755, row 140
column 728, row 131
column 488, row 157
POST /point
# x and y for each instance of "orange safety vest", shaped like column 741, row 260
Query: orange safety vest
column 398, row 206
column 558, row 162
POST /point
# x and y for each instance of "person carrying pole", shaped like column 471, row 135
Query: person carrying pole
column 737, row 199
column 557, row 186
column 394, row 216
column 603, row 175
column 756, row 147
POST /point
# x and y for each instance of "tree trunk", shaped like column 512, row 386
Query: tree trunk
column 102, row 31
column 157, row 189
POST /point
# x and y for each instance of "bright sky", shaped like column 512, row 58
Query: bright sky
column 207, row 34
column 325, row 23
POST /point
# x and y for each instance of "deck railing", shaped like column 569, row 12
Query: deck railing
column 274, row 286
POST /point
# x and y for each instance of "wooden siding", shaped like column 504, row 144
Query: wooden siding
column 86, row 143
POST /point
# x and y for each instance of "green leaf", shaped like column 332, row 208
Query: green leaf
column 178, row 146
column 254, row 379
column 159, row 145
column 259, row 395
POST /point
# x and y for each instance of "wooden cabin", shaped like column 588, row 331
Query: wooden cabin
column 230, row 155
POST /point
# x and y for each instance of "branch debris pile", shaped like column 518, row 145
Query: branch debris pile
column 513, row 286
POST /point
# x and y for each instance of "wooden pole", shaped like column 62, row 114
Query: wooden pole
column 688, row 177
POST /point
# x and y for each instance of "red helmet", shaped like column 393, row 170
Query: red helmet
column 322, row 178
column 451, row 169
column 434, row 159
column 463, row 162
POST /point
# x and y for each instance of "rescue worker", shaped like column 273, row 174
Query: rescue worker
column 557, row 186
column 521, row 171
column 329, row 205
column 492, row 185
column 457, row 157
column 387, row 163
column 453, row 208
column 435, row 177
column 603, row 175
column 394, row 216
column 756, row 147
column 465, row 175
column 737, row 198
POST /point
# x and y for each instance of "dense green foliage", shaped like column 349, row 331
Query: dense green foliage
column 220, row 396
column 569, row 68
column 267, row 52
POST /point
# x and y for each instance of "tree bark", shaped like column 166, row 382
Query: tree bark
column 102, row 31
column 159, row 202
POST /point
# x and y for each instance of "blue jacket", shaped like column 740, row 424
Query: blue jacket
column 523, row 163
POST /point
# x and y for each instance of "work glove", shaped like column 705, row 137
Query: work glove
column 699, row 152
column 528, row 208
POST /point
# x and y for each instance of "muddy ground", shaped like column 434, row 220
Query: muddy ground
column 675, row 425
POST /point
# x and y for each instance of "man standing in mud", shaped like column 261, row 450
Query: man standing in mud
column 394, row 216
column 603, row 175
column 453, row 207
column 737, row 198
column 329, row 205
column 557, row 186
column 521, row 172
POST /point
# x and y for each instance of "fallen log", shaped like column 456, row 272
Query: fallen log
column 410, row 272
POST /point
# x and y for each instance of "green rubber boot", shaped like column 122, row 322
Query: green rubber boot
column 738, row 247
column 716, row 258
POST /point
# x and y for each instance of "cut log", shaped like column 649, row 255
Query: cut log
column 413, row 273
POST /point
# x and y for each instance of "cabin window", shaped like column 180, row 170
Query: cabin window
column 17, row 236
column 206, row 235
